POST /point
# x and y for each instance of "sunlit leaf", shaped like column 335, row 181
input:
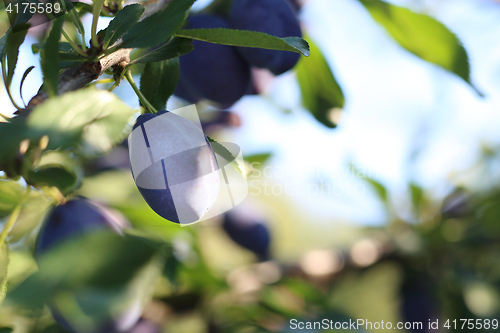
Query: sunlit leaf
column 423, row 36
column 245, row 38
column 159, row 27
column 321, row 94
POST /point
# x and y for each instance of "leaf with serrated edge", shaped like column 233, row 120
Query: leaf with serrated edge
column 50, row 63
column 14, row 41
column 122, row 22
column 173, row 49
column 159, row 27
column 245, row 38
column 158, row 81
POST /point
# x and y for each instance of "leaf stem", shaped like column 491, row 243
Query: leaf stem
column 149, row 108
column 73, row 44
column 68, row 38
column 116, row 84
column 96, row 12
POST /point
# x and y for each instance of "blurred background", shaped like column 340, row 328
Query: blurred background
column 392, row 215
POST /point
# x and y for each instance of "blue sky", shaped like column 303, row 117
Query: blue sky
column 395, row 104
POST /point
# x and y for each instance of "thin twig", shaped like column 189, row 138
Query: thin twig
column 79, row 77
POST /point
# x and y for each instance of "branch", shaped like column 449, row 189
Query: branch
column 80, row 76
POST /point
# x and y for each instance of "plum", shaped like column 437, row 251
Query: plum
column 212, row 71
column 248, row 230
column 174, row 166
column 75, row 218
column 273, row 17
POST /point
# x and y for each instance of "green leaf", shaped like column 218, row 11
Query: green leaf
column 91, row 119
column 53, row 175
column 158, row 81
column 6, row 330
column 74, row 16
column 50, row 62
column 25, row 75
column 3, row 42
column 11, row 193
column 321, row 94
column 122, row 22
column 63, row 47
column 173, row 49
column 100, row 260
column 88, row 121
column 376, row 186
column 423, row 36
column 245, row 38
column 258, row 158
column 4, row 264
column 14, row 41
column 70, row 59
column 159, row 27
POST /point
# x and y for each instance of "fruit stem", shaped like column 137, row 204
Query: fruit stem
column 144, row 101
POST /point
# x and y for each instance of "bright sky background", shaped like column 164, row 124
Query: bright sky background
column 396, row 103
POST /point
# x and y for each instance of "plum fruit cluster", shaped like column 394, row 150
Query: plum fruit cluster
column 221, row 73
column 75, row 218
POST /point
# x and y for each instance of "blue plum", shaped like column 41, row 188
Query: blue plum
column 174, row 166
column 214, row 72
column 248, row 231
column 75, row 218
column 273, row 17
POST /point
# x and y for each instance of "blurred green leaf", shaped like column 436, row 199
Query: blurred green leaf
column 70, row 59
column 379, row 189
column 158, row 81
column 102, row 260
column 63, row 47
column 6, row 330
column 32, row 213
column 245, row 38
column 11, row 193
column 173, row 49
column 423, row 36
column 159, row 27
column 54, row 175
column 123, row 20
column 258, row 158
column 417, row 197
column 89, row 120
column 321, row 94
column 14, row 41
column 4, row 263
column 50, row 58
column 3, row 42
